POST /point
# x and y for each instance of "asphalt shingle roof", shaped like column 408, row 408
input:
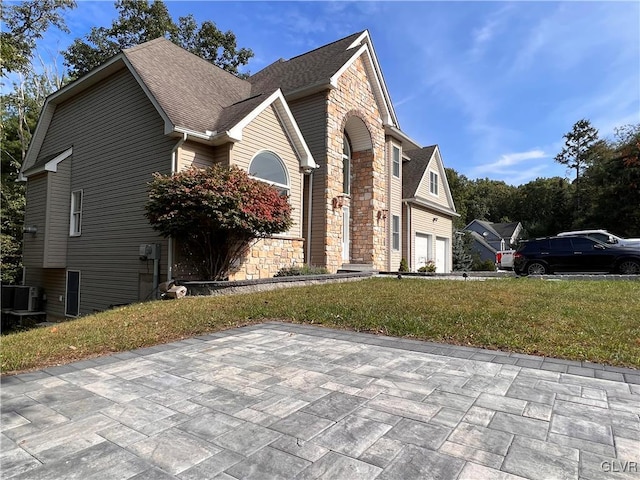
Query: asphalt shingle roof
column 192, row 91
column 413, row 171
column 311, row 68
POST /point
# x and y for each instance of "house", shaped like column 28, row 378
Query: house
column 320, row 126
column 489, row 238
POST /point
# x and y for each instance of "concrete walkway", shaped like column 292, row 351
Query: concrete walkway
column 290, row 401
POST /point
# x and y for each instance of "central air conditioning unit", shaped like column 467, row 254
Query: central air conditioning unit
column 8, row 294
column 27, row 298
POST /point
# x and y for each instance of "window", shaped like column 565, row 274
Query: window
column 433, row 183
column 396, row 162
column 75, row 227
column 267, row 167
column 346, row 165
column 395, row 232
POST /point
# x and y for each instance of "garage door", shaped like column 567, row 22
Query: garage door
column 441, row 255
column 423, row 250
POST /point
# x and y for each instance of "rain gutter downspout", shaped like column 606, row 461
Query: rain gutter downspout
column 174, row 169
column 309, row 209
column 409, row 249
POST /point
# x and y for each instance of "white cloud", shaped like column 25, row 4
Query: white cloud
column 510, row 160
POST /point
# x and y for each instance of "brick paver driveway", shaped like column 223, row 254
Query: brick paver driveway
column 289, row 401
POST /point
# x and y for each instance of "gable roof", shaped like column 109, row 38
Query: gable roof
column 190, row 90
column 321, row 68
column 307, row 70
column 498, row 230
column 194, row 98
column 506, row 230
column 414, row 171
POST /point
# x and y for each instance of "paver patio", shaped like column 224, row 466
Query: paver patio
column 293, row 401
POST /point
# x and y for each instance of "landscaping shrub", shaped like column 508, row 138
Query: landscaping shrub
column 301, row 270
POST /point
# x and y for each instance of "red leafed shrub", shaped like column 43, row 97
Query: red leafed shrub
column 215, row 214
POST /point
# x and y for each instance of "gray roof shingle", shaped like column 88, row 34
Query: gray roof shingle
column 192, row 92
column 306, row 70
column 413, row 171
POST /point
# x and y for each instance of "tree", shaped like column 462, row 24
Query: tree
column 574, row 154
column 461, row 251
column 140, row 21
column 26, row 23
column 215, row 214
column 20, row 110
column 612, row 183
column 544, row 206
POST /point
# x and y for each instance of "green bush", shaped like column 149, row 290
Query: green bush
column 301, row 270
column 484, row 266
column 430, row 267
column 404, row 267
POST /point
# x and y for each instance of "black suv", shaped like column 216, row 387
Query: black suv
column 574, row 254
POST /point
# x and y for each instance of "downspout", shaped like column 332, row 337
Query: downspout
column 409, row 249
column 309, row 209
column 174, row 169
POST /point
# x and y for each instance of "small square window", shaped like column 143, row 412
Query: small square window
column 396, row 162
column 75, row 227
column 395, row 232
column 433, row 183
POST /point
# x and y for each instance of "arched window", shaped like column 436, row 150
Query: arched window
column 346, row 164
column 267, row 167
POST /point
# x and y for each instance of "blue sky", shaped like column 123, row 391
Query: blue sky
column 495, row 84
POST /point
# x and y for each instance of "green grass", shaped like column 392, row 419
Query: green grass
column 598, row 321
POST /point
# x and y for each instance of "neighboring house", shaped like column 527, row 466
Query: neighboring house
column 489, row 238
column 319, row 126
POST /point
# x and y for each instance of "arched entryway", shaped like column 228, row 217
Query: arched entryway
column 357, row 214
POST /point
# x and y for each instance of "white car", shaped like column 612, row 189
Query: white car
column 605, row 237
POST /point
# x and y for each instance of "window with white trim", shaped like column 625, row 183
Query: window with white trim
column 433, row 183
column 395, row 232
column 75, row 223
column 346, row 165
column 396, row 162
column 269, row 168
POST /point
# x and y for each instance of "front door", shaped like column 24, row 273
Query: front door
column 72, row 306
column 345, row 234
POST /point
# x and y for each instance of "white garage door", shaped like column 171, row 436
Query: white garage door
column 441, row 255
column 423, row 250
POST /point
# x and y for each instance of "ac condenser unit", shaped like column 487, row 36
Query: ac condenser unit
column 27, row 298
column 8, row 295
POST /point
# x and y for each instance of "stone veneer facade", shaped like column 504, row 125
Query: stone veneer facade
column 368, row 200
column 268, row 255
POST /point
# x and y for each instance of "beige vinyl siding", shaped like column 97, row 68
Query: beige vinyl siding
column 58, row 216
column 35, row 213
column 422, row 223
column 222, row 154
column 194, row 154
column 423, row 189
column 266, row 133
column 118, row 142
column 311, row 116
column 395, row 204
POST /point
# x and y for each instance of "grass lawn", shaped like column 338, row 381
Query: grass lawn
column 598, row 321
